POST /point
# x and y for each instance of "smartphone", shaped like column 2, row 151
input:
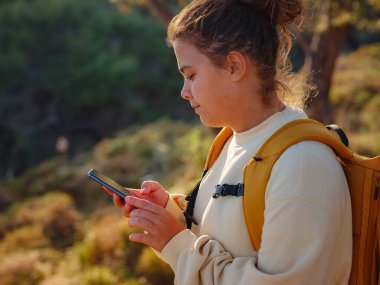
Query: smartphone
column 108, row 183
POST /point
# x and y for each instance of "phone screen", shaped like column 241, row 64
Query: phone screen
column 108, row 182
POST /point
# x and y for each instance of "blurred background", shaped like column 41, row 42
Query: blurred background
column 92, row 84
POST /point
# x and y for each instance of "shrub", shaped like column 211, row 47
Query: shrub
column 56, row 214
column 170, row 152
column 370, row 114
column 21, row 269
column 61, row 225
column 61, row 280
column 99, row 244
column 99, row 276
column 367, row 144
column 104, row 243
column 153, row 269
column 3, row 226
column 26, row 237
column 5, row 199
column 355, row 90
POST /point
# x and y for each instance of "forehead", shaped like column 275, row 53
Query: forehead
column 187, row 54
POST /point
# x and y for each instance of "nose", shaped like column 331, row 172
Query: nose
column 186, row 91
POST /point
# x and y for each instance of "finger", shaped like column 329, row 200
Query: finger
column 150, row 186
column 108, row 190
column 142, row 223
column 126, row 210
column 140, row 213
column 143, row 238
column 134, row 192
column 143, row 204
column 118, row 201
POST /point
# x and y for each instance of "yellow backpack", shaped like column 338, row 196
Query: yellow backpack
column 362, row 173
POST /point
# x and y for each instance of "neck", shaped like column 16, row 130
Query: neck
column 252, row 115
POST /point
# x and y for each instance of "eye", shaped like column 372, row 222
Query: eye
column 190, row 77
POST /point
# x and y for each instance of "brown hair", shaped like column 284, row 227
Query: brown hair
column 258, row 28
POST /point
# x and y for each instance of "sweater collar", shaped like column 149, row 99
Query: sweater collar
column 263, row 127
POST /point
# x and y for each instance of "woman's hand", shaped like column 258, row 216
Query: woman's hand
column 150, row 190
column 158, row 224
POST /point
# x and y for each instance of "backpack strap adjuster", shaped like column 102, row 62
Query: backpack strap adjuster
column 228, row 190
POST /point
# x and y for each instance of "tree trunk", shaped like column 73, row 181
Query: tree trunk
column 161, row 11
column 320, row 65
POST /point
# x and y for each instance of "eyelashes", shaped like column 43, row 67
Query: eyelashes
column 190, row 77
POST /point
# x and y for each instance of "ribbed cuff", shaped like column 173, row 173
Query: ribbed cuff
column 172, row 250
column 174, row 209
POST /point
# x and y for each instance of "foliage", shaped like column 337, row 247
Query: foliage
column 75, row 235
column 50, row 220
column 96, row 248
column 80, row 70
column 62, row 228
column 23, row 238
column 105, row 243
column 155, row 271
column 356, row 90
column 27, row 267
column 154, row 151
column 97, row 58
column 21, row 269
column 361, row 13
column 99, row 276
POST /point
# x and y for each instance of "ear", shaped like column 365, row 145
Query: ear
column 236, row 64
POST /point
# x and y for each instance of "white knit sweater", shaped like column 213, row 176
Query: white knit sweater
column 306, row 237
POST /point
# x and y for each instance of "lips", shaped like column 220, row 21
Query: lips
column 195, row 106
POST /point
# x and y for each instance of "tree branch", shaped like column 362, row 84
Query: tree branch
column 160, row 10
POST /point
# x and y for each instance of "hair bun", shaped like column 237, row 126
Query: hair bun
column 280, row 12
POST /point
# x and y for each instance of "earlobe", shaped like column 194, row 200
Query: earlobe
column 236, row 64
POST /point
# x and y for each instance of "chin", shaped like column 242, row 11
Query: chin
column 210, row 123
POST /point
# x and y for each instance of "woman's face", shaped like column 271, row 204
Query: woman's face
column 205, row 85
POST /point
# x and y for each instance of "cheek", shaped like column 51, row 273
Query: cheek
column 199, row 87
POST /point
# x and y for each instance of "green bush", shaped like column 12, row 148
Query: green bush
column 61, row 225
column 153, row 269
column 93, row 237
column 370, row 114
column 99, row 276
column 172, row 153
column 355, row 90
column 54, row 213
column 105, row 243
column 26, row 237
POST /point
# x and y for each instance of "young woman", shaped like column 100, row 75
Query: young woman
column 232, row 55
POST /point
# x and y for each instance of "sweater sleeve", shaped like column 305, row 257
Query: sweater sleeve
column 176, row 205
column 299, row 234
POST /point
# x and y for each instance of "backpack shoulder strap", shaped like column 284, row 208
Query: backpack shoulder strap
column 213, row 154
column 261, row 166
column 217, row 146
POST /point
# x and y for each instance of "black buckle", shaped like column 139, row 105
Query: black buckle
column 340, row 132
column 227, row 189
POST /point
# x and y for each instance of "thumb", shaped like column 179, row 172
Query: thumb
column 134, row 192
column 150, row 186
